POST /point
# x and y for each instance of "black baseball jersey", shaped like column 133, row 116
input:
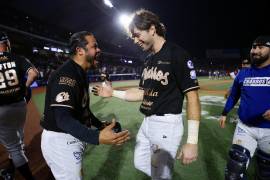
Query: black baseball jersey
column 166, row 77
column 67, row 87
column 13, row 70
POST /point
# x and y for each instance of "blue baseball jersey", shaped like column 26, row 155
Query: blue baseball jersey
column 252, row 86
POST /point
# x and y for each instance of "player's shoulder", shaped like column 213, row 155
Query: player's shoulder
column 67, row 69
column 18, row 58
column 178, row 52
column 177, row 48
column 244, row 72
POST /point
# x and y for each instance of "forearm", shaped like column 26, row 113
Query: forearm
column 193, row 116
column 31, row 76
column 132, row 94
column 68, row 124
column 230, row 103
column 95, row 121
column 193, row 106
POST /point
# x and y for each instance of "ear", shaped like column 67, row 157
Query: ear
column 152, row 30
column 80, row 51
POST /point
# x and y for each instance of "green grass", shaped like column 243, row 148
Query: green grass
column 109, row 162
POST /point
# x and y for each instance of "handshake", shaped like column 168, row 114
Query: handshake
column 116, row 128
column 111, row 133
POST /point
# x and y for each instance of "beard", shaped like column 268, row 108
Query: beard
column 92, row 61
column 258, row 60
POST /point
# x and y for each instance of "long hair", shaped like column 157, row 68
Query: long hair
column 143, row 19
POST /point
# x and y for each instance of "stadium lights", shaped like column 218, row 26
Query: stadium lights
column 125, row 20
column 108, row 3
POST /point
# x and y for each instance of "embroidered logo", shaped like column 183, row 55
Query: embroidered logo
column 193, row 74
column 190, row 64
column 62, row 96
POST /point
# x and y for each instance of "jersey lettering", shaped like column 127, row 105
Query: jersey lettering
column 155, row 75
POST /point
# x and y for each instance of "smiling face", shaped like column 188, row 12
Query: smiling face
column 259, row 54
column 143, row 38
column 92, row 51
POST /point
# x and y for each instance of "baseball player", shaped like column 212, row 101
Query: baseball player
column 168, row 76
column 252, row 132
column 245, row 64
column 67, row 117
column 105, row 79
column 13, row 90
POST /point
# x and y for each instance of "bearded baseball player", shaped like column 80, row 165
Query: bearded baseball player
column 67, row 117
column 167, row 78
column 252, row 133
column 13, row 90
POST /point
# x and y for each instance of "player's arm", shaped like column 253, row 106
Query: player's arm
column 32, row 74
column 132, row 94
column 189, row 151
column 95, row 121
column 231, row 101
column 187, row 82
column 29, row 70
column 193, row 116
column 70, row 125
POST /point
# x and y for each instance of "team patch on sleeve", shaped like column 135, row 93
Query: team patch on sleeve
column 190, row 64
column 62, row 96
column 67, row 81
column 193, row 74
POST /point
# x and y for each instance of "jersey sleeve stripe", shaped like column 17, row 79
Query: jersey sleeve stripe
column 191, row 88
column 29, row 69
column 62, row 105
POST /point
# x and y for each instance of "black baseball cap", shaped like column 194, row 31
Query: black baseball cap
column 262, row 41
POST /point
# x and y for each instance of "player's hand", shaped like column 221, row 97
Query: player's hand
column 108, row 136
column 222, row 121
column 104, row 124
column 266, row 115
column 188, row 153
column 103, row 91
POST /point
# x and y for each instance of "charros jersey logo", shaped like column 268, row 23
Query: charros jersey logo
column 154, row 74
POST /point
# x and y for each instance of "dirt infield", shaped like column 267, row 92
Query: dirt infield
column 32, row 142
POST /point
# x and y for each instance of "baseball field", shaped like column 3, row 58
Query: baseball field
column 116, row 163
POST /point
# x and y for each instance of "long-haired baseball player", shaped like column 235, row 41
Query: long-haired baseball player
column 168, row 76
column 252, row 132
column 13, row 90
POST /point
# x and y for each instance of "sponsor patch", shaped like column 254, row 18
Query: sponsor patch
column 164, row 62
column 190, row 64
column 72, row 142
column 62, row 96
column 193, row 74
column 240, row 131
column 77, row 155
column 257, row 81
column 67, row 81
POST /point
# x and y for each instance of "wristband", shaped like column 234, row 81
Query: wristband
column 193, row 131
column 119, row 94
